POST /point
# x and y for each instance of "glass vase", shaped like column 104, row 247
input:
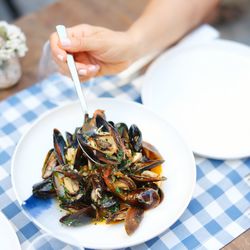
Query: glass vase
column 10, row 73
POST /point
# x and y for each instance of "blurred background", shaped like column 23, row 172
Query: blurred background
column 232, row 19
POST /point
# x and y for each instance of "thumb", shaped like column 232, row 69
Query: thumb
column 79, row 43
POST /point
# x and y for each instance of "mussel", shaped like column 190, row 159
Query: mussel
column 103, row 171
column 145, row 198
column 81, row 217
column 44, row 189
column 49, row 164
column 133, row 219
column 59, row 146
column 135, row 137
column 100, row 142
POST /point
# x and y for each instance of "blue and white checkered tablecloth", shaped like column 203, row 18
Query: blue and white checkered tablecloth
column 218, row 212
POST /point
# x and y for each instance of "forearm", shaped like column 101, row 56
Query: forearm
column 164, row 22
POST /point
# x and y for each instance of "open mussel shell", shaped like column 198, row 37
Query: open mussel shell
column 155, row 187
column 135, row 137
column 145, row 198
column 99, row 194
column 59, row 146
column 124, row 183
column 107, row 127
column 118, row 215
column 44, row 189
column 69, row 139
column 49, row 164
column 100, row 141
column 147, row 165
column 122, row 129
column 59, row 185
column 118, row 185
column 150, row 152
column 80, row 159
column 147, row 178
column 96, row 156
column 81, row 217
column 67, row 185
column 73, row 206
column 133, row 219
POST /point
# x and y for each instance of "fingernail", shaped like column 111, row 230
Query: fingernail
column 82, row 72
column 93, row 68
column 65, row 42
column 60, row 57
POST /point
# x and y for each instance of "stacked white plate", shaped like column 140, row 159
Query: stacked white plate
column 203, row 90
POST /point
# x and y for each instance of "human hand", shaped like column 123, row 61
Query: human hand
column 96, row 50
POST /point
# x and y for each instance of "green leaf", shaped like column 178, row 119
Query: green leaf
column 3, row 33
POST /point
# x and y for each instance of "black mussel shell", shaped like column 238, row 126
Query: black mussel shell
column 44, row 189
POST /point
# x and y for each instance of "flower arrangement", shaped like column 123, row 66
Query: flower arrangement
column 12, row 42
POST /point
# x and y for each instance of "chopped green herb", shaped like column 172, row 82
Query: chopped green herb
column 120, row 155
column 117, row 190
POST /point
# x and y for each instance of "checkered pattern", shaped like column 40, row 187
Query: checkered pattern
column 218, row 212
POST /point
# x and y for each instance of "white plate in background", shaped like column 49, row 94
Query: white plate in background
column 204, row 92
column 8, row 237
column 179, row 168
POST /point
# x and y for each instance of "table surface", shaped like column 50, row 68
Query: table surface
column 38, row 26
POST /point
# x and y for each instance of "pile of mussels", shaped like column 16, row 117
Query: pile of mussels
column 102, row 172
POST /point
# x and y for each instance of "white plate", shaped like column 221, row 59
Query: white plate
column 8, row 237
column 204, row 92
column 179, row 169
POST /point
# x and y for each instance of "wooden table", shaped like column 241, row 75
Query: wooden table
column 117, row 15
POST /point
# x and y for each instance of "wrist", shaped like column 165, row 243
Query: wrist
column 135, row 43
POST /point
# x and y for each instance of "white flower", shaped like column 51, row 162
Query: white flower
column 12, row 42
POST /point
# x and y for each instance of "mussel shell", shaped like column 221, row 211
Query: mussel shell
column 69, row 139
column 109, row 128
column 59, row 185
column 118, row 186
column 89, row 137
column 133, row 219
column 122, row 129
column 124, row 183
column 141, row 166
column 94, row 155
column 118, row 215
column 81, row 217
column 154, row 186
column 102, row 124
column 49, row 164
column 145, row 198
column 142, row 178
column 73, row 206
column 59, row 146
column 150, row 152
column 80, row 159
column 97, row 182
column 135, row 137
column 44, row 189
column 99, row 195
column 111, row 123
column 108, row 201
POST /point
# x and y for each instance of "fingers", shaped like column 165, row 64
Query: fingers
column 89, row 70
column 79, row 44
column 81, row 38
column 58, row 53
column 85, row 71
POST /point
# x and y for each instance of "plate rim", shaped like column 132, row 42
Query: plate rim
column 239, row 49
column 73, row 103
